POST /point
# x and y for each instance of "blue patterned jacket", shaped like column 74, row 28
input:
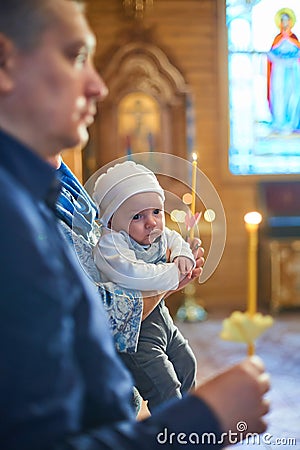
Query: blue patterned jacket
column 77, row 213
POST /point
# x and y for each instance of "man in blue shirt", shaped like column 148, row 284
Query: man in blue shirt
column 62, row 385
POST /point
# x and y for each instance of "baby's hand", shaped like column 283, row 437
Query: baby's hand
column 184, row 265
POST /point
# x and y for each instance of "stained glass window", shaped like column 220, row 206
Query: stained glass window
column 264, row 86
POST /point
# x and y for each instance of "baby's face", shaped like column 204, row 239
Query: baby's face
column 141, row 216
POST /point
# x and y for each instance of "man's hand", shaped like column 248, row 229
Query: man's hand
column 237, row 396
column 151, row 302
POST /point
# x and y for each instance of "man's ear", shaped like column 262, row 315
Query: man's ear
column 7, row 51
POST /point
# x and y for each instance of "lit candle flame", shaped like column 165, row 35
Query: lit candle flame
column 253, row 218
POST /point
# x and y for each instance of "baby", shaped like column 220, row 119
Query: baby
column 136, row 250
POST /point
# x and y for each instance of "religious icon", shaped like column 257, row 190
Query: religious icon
column 284, row 75
column 138, row 123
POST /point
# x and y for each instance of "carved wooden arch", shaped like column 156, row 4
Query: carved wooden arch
column 142, row 67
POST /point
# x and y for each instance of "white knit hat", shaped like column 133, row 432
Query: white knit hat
column 121, row 182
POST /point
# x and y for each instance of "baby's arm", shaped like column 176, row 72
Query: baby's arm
column 184, row 265
column 118, row 263
column 180, row 251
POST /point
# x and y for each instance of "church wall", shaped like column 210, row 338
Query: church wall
column 187, row 31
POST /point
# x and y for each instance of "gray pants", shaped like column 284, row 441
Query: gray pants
column 164, row 365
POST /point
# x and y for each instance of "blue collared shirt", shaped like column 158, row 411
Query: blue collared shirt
column 62, row 385
column 55, row 341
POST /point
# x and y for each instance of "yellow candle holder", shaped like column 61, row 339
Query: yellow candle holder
column 248, row 326
column 194, row 183
column 252, row 221
column 241, row 327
